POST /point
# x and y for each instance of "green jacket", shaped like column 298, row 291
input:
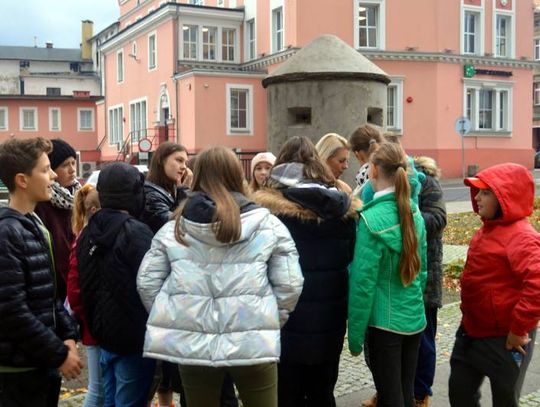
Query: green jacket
column 377, row 296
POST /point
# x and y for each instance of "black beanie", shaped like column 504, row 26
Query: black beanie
column 60, row 152
column 121, row 186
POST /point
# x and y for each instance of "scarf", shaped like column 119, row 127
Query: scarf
column 64, row 198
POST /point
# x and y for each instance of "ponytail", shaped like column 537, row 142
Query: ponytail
column 80, row 212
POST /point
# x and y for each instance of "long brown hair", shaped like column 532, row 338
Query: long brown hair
column 217, row 173
column 392, row 161
column 364, row 137
column 85, row 199
column 156, row 171
column 300, row 149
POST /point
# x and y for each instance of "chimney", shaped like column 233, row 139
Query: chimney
column 87, row 32
column 49, row 44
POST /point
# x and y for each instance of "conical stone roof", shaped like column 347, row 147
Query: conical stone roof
column 326, row 58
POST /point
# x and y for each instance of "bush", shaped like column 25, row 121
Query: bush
column 451, row 274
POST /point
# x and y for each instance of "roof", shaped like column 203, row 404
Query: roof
column 327, row 57
column 40, row 54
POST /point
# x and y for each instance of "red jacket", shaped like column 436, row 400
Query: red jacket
column 74, row 296
column 500, row 286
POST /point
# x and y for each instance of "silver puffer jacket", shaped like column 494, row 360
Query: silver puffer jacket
column 217, row 304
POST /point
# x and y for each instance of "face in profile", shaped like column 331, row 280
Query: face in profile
column 488, row 205
column 66, row 172
column 39, row 182
column 339, row 162
column 175, row 166
column 261, row 172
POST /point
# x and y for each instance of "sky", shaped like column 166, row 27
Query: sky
column 58, row 21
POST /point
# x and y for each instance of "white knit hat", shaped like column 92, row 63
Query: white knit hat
column 266, row 157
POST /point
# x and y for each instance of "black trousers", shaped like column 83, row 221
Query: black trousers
column 393, row 360
column 302, row 385
column 35, row 388
column 473, row 359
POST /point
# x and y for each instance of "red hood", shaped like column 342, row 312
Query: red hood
column 513, row 186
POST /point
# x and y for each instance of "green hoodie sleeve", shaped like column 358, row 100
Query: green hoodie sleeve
column 362, row 283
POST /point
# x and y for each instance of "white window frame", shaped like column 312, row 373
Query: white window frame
column 196, row 2
column 142, row 130
column 152, row 54
column 80, row 110
column 274, row 31
column 59, row 127
column 497, row 87
column 510, row 30
column 536, row 93
column 250, row 42
column 120, row 72
column 228, row 46
column 479, row 33
column 5, row 125
column 116, row 135
column 397, row 84
column 22, row 109
column 248, row 130
column 215, row 44
column 381, row 22
column 197, row 42
column 536, row 45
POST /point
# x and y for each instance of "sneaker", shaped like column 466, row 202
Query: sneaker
column 422, row 402
column 372, row 402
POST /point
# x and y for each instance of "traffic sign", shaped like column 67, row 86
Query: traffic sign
column 463, row 125
column 145, row 145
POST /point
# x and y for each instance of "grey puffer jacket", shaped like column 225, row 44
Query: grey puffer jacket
column 216, row 304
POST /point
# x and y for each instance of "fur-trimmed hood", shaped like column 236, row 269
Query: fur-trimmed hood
column 307, row 204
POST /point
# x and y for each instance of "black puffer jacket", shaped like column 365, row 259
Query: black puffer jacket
column 109, row 251
column 323, row 226
column 33, row 325
column 159, row 205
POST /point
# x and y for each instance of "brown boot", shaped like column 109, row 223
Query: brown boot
column 372, row 402
column 422, row 403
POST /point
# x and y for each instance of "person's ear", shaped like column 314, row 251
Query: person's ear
column 21, row 180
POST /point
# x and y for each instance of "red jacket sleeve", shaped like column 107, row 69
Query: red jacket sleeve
column 524, row 258
column 73, row 287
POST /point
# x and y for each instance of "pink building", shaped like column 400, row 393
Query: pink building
column 51, row 92
column 192, row 72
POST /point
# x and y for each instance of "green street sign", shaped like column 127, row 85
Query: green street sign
column 469, row 71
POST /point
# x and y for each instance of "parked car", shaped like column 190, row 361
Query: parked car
column 93, row 178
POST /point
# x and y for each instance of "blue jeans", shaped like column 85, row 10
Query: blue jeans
column 126, row 379
column 96, row 395
column 427, row 357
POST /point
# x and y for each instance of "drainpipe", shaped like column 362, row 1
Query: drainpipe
column 175, row 67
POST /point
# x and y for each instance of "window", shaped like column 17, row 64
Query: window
column 24, row 63
column 209, row 39
column 120, row 66
column 488, row 107
column 137, row 119
column 250, row 40
column 196, row 2
column 28, row 119
column 75, row 67
column 537, row 49
column 53, row 91
column 4, row 118
column 228, row 38
column 190, row 41
column 86, row 120
column 473, row 30
column 503, row 39
column 277, row 29
column 116, row 125
column 54, row 119
column 239, row 109
column 220, row 3
column 394, row 105
column 152, row 51
column 536, row 93
column 369, row 24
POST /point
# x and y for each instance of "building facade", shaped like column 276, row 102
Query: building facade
column 191, row 71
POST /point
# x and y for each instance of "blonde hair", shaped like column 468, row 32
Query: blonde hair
column 329, row 144
column 392, row 162
column 85, row 199
column 428, row 166
column 218, row 173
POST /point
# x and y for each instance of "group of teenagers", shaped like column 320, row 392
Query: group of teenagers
column 195, row 281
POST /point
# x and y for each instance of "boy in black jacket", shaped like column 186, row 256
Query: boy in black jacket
column 37, row 336
column 109, row 252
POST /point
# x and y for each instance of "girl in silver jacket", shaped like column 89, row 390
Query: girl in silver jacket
column 219, row 282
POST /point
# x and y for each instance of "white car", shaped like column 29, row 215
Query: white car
column 93, row 178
